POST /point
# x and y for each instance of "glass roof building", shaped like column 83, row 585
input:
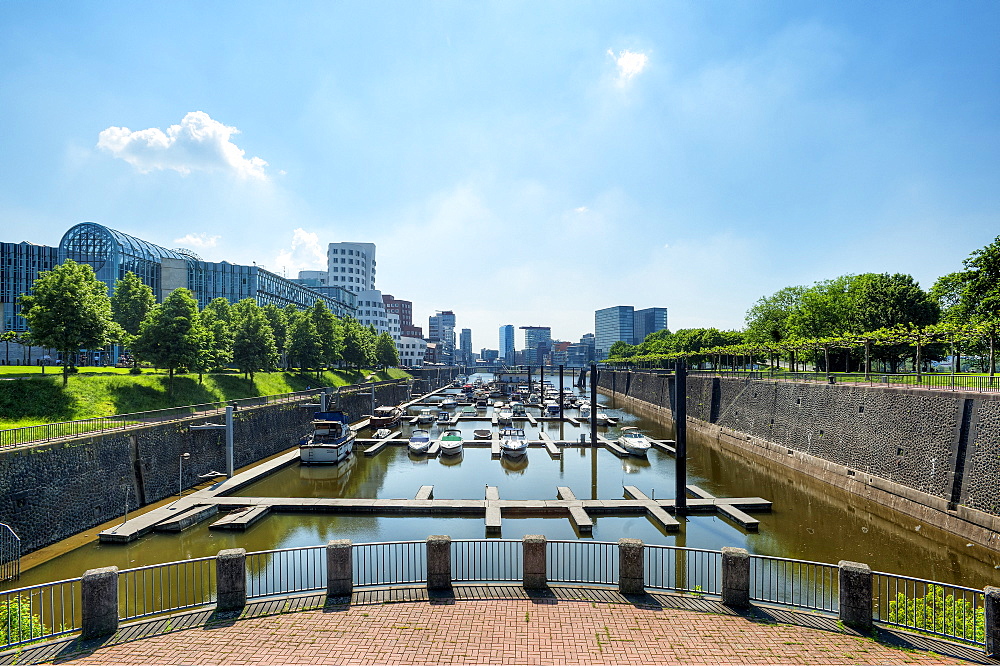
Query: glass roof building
column 113, row 253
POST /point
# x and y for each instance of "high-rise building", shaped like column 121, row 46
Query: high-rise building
column 465, row 346
column 612, row 325
column 405, row 311
column 507, row 343
column 441, row 329
column 647, row 321
column 351, row 265
column 537, row 343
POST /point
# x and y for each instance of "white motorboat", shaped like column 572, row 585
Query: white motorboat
column 382, row 433
column 420, row 441
column 451, row 442
column 602, row 418
column 331, row 440
column 633, row 441
column 513, row 443
column 444, row 417
column 505, row 416
column 584, row 411
column 468, row 411
column 425, row 416
column 449, row 402
column 551, row 409
column 483, row 434
column 518, row 409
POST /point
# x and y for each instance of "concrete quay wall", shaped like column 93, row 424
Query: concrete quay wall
column 51, row 491
column 933, row 455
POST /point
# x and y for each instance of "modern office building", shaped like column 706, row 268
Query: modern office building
column 537, row 343
column 351, row 265
column 465, row 346
column 489, row 355
column 112, row 254
column 405, row 311
column 624, row 323
column 507, row 343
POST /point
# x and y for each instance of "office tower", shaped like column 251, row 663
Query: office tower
column 507, row 343
column 351, row 265
column 612, row 325
column 537, row 343
column 647, row 321
column 465, row 346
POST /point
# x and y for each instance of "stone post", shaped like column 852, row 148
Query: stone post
column 438, row 562
column 630, row 567
column 231, row 579
column 535, row 563
column 735, row 577
column 339, row 568
column 992, row 594
column 855, row 595
column 99, row 602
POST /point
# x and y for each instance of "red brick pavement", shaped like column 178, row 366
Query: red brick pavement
column 492, row 631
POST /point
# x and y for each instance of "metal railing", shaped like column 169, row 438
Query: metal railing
column 486, row 560
column 697, row 571
column 574, row 562
column 794, row 583
column 157, row 589
column 283, row 571
column 930, row 607
column 39, row 612
column 390, row 563
column 10, row 553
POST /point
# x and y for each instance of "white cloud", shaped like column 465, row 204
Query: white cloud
column 306, row 254
column 198, row 143
column 629, row 63
column 198, row 241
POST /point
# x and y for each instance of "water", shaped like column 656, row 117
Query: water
column 810, row 520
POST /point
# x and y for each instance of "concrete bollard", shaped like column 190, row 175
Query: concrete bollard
column 735, row 577
column 99, row 602
column 231, row 579
column 992, row 595
column 631, row 580
column 855, row 595
column 339, row 568
column 438, row 562
column 535, row 563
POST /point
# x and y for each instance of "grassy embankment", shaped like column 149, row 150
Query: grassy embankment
column 27, row 398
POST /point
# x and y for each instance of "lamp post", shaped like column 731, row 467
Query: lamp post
column 180, row 474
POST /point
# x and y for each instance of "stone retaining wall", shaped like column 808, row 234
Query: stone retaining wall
column 936, row 453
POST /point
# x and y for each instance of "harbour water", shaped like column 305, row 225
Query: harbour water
column 810, row 520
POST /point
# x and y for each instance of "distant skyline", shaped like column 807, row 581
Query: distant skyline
column 523, row 163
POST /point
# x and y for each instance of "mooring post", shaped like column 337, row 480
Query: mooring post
column 99, row 602
column 231, row 579
column 560, row 392
column 230, row 469
column 534, row 559
column 992, row 599
column 530, row 384
column 855, row 595
column 339, row 569
column 438, row 562
column 593, row 405
column 630, row 567
column 680, row 435
column 735, row 577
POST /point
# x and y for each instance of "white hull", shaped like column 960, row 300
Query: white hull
column 450, row 449
column 325, row 454
column 636, row 451
column 418, row 448
column 513, row 452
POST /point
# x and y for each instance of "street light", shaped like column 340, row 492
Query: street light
column 180, row 474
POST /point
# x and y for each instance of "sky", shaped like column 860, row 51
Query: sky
column 519, row 163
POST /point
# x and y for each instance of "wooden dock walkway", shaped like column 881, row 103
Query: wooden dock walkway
column 381, row 444
column 550, row 445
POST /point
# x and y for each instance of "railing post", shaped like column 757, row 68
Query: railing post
column 735, row 577
column 438, row 562
column 855, row 595
column 339, row 569
column 231, row 579
column 992, row 595
column 99, row 602
column 535, row 563
column 631, row 567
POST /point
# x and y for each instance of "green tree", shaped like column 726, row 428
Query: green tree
column 171, row 336
column 8, row 337
column 69, row 310
column 279, row 325
column 253, row 340
column 621, row 350
column 304, row 349
column 385, row 350
column 17, row 623
column 131, row 302
column 329, row 331
column 981, row 297
column 216, row 349
column 358, row 344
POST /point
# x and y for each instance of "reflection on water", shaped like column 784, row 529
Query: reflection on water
column 811, row 520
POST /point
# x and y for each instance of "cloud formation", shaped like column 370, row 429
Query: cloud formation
column 306, row 254
column 198, row 143
column 198, row 240
column 629, row 63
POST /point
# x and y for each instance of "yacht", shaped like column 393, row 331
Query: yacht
column 513, row 443
column 425, row 416
column 633, row 441
column 384, row 416
column 444, row 417
column 331, row 440
column 505, row 416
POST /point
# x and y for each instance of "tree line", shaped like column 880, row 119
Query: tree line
column 69, row 310
column 849, row 322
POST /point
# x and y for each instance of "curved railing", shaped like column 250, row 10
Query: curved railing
column 50, row 610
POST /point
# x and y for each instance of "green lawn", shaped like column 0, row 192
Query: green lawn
column 33, row 399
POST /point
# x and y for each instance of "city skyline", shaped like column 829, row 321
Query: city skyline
column 694, row 155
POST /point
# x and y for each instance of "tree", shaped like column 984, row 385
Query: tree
column 8, row 337
column 172, row 335
column 329, row 332
column 358, row 344
column 385, row 350
column 278, row 320
column 130, row 303
column 622, row 350
column 69, row 310
column 216, row 349
column 253, row 340
column 304, row 349
column 981, row 297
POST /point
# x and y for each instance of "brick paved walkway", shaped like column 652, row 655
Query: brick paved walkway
column 495, row 628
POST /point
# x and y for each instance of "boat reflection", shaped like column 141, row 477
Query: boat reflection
column 632, row 465
column 513, row 466
column 452, row 460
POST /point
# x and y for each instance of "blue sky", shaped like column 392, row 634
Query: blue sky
column 521, row 163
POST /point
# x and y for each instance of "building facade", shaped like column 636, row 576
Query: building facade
column 507, row 343
column 624, row 323
column 465, row 346
column 405, row 311
column 20, row 264
column 537, row 344
column 647, row 321
column 351, row 265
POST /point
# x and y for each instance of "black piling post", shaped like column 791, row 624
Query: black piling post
column 593, row 405
column 541, row 386
column 560, row 393
column 680, row 435
column 530, row 384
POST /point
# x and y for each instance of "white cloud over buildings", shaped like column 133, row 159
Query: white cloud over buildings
column 197, row 143
column 198, row 240
column 306, row 254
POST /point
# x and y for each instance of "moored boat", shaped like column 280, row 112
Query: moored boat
column 331, row 440
column 451, row 442
column 444, row 417
column 513, row 443
column 425, row 416
column 505, row 415
column 633, row 441
column 420, row 441
column 483, row 434
column 385, row 416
